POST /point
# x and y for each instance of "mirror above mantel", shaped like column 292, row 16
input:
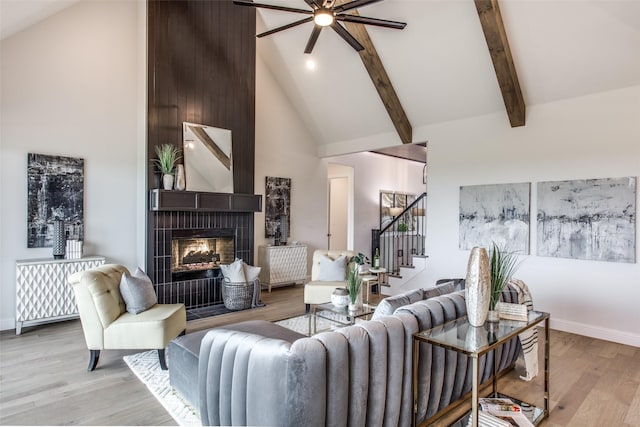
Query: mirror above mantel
column 208, row 160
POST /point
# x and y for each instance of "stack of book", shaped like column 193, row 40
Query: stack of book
column 501, row 412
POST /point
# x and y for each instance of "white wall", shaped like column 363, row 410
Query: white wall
column 372, row 173
column 71, row 86
column 284, row 148
column 595, row 136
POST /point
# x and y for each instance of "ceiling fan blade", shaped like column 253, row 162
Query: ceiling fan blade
column 372, row 21
column 286, row 27
column 346, row 35
column 271, row 6
column 353, row 5
column 313, row 38
column 313, row 3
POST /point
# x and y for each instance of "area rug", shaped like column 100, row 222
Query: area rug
column 147, row 368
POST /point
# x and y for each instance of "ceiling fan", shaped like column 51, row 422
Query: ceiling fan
column 327, row 13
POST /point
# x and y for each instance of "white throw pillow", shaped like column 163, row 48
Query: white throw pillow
column 251, row 273
column 234, row 271
column 333, row 270
column 137, row 292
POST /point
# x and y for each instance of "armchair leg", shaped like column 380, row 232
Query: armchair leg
column 94, row 355
column 307, row 308
column 161, row 358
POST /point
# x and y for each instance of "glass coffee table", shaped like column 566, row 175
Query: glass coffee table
column 340, row 316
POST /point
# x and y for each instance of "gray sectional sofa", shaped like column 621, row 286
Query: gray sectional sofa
column 258, row 373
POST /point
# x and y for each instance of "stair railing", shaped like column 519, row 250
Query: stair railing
column 404, row 237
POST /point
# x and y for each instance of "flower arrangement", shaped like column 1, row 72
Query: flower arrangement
column 502, row 265
column 168, row 155
column 353, row 279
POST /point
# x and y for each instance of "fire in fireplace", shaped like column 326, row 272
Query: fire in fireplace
column 201, row 250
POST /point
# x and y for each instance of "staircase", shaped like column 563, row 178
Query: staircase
column 402, row 247
column 409, row 277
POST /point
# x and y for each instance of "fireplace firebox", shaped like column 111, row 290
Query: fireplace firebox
column 198, row 253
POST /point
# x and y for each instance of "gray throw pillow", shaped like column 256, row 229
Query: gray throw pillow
column 389, row 305
column 441, row 289
column 332, row 270
column 137, row 292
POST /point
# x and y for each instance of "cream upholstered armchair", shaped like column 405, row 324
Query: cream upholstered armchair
column 319, row 289
column 108, row 325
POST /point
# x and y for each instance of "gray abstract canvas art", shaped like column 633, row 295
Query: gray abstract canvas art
column 591, row 219
column 495, row 213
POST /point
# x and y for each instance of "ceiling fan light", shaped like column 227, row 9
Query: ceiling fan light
column 323, row 17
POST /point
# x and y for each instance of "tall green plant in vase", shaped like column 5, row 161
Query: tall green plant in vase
column 167, row 157
column 354, row 282
column 503, row 265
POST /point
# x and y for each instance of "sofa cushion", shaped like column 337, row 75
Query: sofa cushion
column 458, row 283
column 332, row 270
column 435, row 291
column 137, row 291
column 388, row 305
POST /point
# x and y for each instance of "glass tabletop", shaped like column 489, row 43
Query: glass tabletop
column 459, row 335
column 361, row 311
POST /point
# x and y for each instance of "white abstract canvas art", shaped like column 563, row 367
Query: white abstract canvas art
column 591, row 219
column 497, row 213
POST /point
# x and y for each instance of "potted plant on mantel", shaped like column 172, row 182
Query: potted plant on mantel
column 353, row 279
column 502, row 265
column 168, row 155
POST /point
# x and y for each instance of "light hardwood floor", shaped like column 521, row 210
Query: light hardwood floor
column 43, row 377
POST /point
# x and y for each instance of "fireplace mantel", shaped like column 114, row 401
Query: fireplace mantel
column 196, row 201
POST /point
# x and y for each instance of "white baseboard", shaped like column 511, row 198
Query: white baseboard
column 8, row 323
column 622, row 337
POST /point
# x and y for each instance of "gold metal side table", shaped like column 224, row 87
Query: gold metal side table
column 460, row 336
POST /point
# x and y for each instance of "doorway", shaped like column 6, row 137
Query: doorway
column 340, row 204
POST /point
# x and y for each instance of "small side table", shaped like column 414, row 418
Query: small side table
column 367, row 283
column 458, row 335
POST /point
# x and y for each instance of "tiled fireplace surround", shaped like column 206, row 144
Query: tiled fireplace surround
column 201, row 292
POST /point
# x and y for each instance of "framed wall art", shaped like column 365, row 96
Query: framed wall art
column 497, row 213
column 592, row 219
column 277, row 205
column 55, row 191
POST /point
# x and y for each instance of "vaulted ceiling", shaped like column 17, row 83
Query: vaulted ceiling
column 441, row 68
column 439, row 64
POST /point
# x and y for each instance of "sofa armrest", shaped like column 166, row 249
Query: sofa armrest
column 240, row 379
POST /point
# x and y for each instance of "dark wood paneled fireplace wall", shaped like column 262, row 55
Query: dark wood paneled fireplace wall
column 201, row 69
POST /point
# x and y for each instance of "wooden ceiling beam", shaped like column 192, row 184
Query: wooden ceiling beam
column 381, row 81
column 496, row 37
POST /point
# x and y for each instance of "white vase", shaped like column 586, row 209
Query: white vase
column 478, row 286
column 167, row 181
column 340, row 297
column 180, row 180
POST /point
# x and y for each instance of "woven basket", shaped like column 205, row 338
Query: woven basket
column 237, row 295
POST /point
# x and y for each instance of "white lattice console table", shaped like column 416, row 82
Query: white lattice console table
column 282, row 265
column 42, row 292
